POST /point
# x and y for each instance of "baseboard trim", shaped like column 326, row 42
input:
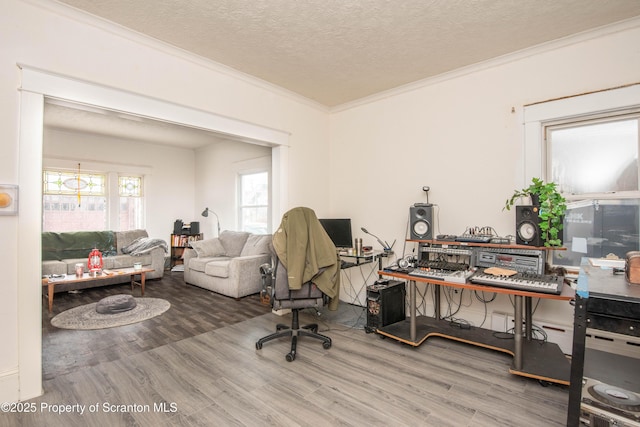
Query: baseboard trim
column 9, row 386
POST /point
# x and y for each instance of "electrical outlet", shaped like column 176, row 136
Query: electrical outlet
column 498, row 322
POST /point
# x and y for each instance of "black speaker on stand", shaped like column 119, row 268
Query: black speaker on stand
column 528, row 226
column 421, row 221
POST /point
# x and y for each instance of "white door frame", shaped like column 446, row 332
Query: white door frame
column 36, row 85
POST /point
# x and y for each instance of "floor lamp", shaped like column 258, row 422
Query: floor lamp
column 205, row 213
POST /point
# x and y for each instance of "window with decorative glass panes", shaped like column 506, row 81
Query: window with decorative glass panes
column 80, row 200
column 74, row 201
column 131, row 212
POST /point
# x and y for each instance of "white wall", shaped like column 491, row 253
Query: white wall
column 217, row 167
column 369, row 162
column 47, row 36
column 169, row 172
column 462, row 135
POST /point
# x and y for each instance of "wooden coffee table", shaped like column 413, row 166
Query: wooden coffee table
column 51, row 282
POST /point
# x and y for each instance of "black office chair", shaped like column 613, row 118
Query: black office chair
column 309, row 296
column 302, row 246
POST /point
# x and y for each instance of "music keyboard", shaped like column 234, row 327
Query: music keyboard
column 531, row 282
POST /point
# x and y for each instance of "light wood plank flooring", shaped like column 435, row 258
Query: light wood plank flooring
column 217, row 377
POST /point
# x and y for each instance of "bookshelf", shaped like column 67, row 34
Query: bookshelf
column 179, row 242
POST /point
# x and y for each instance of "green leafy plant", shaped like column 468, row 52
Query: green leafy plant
column 552, row 206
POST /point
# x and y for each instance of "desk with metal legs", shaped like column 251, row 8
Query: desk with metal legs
column 531, row 358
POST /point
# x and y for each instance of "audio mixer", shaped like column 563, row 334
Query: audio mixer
column 453, row 276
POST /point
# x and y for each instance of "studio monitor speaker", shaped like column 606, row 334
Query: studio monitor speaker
column 527, row 226
column 421, row 222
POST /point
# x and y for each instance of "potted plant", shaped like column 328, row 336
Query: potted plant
column 552, row 207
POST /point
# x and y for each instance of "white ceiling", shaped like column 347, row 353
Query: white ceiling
column 338, row 51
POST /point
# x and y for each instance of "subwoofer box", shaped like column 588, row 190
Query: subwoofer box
column 385, row 304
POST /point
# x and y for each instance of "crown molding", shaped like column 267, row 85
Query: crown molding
column 573, row 39
column 118, row 30
column 86, row 18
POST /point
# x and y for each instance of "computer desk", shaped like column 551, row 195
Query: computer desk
column 368, row 258
column 531, row 358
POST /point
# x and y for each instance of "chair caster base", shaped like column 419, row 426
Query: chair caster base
column 294, row 331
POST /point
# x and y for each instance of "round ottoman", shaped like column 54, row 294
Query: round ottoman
column 115, row 304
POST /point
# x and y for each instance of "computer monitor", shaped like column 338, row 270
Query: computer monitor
column 339, row 230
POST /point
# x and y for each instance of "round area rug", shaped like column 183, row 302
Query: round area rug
column 86, row 316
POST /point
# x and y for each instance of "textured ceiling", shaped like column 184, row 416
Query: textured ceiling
column 331, row 51
column 337, row 51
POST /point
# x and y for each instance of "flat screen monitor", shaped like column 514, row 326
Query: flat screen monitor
column 339, row 230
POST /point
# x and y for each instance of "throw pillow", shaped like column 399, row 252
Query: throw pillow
column 208, row 248
column 233, row 241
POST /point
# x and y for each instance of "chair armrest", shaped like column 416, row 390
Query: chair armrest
column 268, row 290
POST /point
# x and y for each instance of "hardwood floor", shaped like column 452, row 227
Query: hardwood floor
column 197, row 365
column 193, row 311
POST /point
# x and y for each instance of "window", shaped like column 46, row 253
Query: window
column 131, row 206
column 595, row 164
column 254, row 202
column 74, row 201
column 79, row 201
column 570, row 139
column 595, row 157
